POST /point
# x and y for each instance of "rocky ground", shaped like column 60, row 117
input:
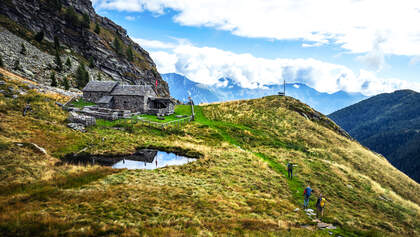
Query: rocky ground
column 35, row 64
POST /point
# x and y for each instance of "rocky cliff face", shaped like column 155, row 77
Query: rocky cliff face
column 87, row 35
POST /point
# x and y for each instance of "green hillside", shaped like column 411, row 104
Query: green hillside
column 389, row 124
column 238, row 186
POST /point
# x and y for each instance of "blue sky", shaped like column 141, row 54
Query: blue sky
column 258, row 41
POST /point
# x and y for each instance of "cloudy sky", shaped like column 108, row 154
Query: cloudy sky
column 367, row 46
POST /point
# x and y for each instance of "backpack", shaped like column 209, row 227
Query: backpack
column 322, row 202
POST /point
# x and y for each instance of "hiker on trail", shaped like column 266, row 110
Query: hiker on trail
column 320, row 204
column 306, row 194
column 289, row 170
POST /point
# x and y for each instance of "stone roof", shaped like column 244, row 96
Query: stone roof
column 100, row 86
column 138, row 90
column 104, row 99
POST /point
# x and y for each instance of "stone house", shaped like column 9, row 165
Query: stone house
column 136, row 98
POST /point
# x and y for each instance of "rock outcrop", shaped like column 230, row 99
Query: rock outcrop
column 76, row 25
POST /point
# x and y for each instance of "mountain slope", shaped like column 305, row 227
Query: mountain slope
column 238, row 186
column 181, row 87
column 388, row 124
column 83, row 36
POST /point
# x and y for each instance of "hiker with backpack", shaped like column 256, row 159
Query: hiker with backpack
column 289, row 170
column 306, row 194
column 320, row 204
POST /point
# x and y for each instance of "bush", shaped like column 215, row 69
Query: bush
column 23, row 49
column 53, row 80
column 97, row 29
column 39, row 36
column 82, row 76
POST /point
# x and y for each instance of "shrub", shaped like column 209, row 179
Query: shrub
column 82, row 76
column 53, row 80
column 129, row 53
column 97, row 29
column 23, row 49
column 39, row 36
column 99, row 77
column 55, row 4
column 1, row 61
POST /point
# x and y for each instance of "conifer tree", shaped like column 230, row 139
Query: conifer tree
column 56, row 43
column 66, row 84
column 68, row 63
column 130, row 56
column 82, row 76
column 58, row 61
column 91, row 62
column 97, row 29
column 23, row 49
column 53, row 80
column 117, row 45
column 99, row 77
column 39, row 36
column 86, row 21
column 1, row 61
column 17, row 65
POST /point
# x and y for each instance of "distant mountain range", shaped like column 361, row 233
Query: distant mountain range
column 181, row 88
column 388, row 124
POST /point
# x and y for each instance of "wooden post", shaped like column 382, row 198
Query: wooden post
column 192, row 108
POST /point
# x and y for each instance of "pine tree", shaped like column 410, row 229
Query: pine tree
column 117, row 45
column 86, row 21
column 23, row 49
column 91, row 62
column 129, row 54
column 66, row 83
column 39, row 36
column 56, row 43
column 53, row 80
column 58, row 61
column 97, row 29
column 17, row 65
column 1, row 61
column 99, row 77
column 82, row 76
column 68, row 63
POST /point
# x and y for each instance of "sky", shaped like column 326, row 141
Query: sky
column 366, row 46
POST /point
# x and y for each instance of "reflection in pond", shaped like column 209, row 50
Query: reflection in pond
column 142, row 159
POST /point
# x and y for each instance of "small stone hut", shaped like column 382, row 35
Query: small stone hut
column 136, row 98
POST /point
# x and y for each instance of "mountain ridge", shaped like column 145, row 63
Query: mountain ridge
column 227, row 89
column 389, row 124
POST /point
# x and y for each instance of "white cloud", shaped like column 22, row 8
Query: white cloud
column 130, row 18
column 354, row 25
column 206, row 65
column 153, row 44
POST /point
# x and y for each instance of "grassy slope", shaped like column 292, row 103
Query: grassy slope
column 238, row 186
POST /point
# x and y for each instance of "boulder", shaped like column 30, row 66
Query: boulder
column 77, row 126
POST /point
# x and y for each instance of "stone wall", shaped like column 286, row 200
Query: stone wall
column 133, row 103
